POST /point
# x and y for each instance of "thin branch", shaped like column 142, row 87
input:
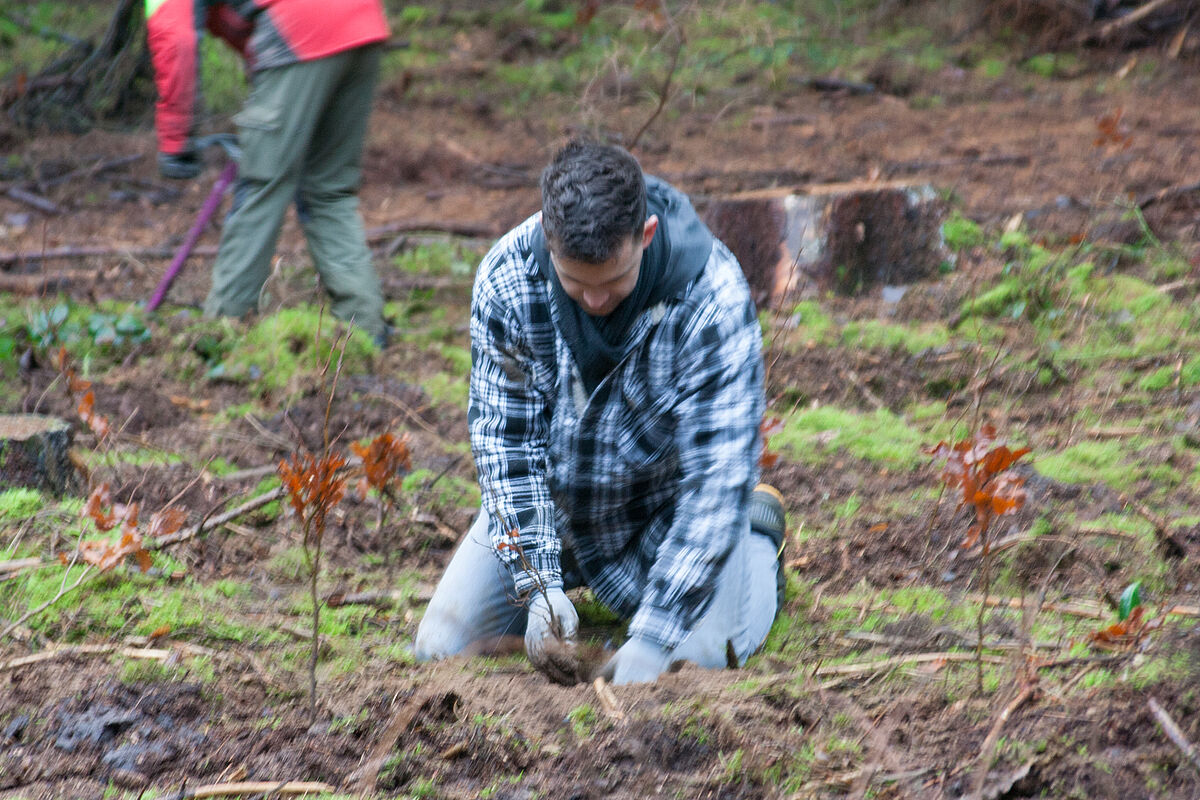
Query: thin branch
column 217, row 521
column 663, row 93
column 865, row 667
column 989, row 743
column 266, row 788
column 1073, row 609
column 87, row 573
column 1174, row 733
column 379, row 753
column 1124, row 22
column 90, row 251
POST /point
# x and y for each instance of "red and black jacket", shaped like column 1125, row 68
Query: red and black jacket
column 268, row 33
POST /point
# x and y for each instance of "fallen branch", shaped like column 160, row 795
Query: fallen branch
column 267, row 788
column 1076, row 661
column 18, row 564
column 865, row 667
column 380, row 599
column 989, row 742
column 38, row 284
column 92, row 171
column 964, row 161
column 608, row 700
column 1174, row 733
column 1124, row 22
column 45, row 205
column 852, row 377
column 149, row 654
column 73, row 252
column 476, row 229
column 400, row 722
column 829, row 84
column 1072, row 609
column 1167, row 193
column 217, row 521
column 1168, row 545
column 852, row 637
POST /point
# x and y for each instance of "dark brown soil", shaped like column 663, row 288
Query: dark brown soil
column 1025, row 147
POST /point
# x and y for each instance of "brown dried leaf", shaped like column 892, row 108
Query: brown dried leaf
column 1126, row 632
column 165, row 522
column 95, row 507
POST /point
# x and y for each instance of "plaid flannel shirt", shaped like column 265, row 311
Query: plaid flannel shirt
column 646, row 482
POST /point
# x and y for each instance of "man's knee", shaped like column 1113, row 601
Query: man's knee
column 438, row 636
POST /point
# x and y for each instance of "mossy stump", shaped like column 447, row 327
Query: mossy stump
column 35, row 453
column 844, row 237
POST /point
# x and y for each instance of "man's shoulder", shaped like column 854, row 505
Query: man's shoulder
column 511, row 259
column 722, row 289
column 508, row 281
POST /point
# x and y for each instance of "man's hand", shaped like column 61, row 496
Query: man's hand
column 550, row 635
column 638, row 661
column 180, row 166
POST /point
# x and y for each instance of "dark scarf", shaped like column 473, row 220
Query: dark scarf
column 676, row 256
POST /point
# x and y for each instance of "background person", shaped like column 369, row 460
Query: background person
column 313, row 65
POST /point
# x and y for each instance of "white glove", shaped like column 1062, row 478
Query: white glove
column 550, row 634
column 638, row 661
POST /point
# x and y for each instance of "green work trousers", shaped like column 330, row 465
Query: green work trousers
column 301, row 134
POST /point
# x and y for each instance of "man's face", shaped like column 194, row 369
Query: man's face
column 600, row 288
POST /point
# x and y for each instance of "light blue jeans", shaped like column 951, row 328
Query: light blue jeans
column 474, row 605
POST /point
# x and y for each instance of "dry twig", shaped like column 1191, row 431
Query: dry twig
column 150, row 654
column 989, row 743
column 1174, row 733
column 865, row 667
column 217, row 521
column 403, row 717
column 267, row 788
column 608, row 700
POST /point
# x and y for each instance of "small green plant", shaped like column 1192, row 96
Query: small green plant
column 117, row 329
column 1131, row 598
column 49, row 327
column 582, row 720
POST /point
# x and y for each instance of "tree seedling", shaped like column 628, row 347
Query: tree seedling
column 314, row 484
column 385, row 462
column 978, row 466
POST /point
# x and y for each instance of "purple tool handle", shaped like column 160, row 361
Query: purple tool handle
column 210, row 206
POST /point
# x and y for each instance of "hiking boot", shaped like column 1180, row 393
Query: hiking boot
column 768, row 518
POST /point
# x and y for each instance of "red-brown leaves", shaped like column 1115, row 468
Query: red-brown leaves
column 514, row 545
column 978, row 467
column 385, row 459
column 1112, row 132
column 1127, row 633
column 768, row 428
column 314, row 485
column 105, row 554
column 166, row 522
column 97, row 423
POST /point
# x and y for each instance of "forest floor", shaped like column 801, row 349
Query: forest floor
column 1065, row 318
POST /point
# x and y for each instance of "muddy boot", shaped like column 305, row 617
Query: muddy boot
column 768, row 518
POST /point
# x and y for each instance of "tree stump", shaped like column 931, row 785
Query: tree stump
column 35, row 453
column 843, row 237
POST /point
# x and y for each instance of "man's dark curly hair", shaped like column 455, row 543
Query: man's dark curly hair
column 593, row 197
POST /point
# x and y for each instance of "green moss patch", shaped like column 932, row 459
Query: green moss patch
column 281, row 353
column 881, row 438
